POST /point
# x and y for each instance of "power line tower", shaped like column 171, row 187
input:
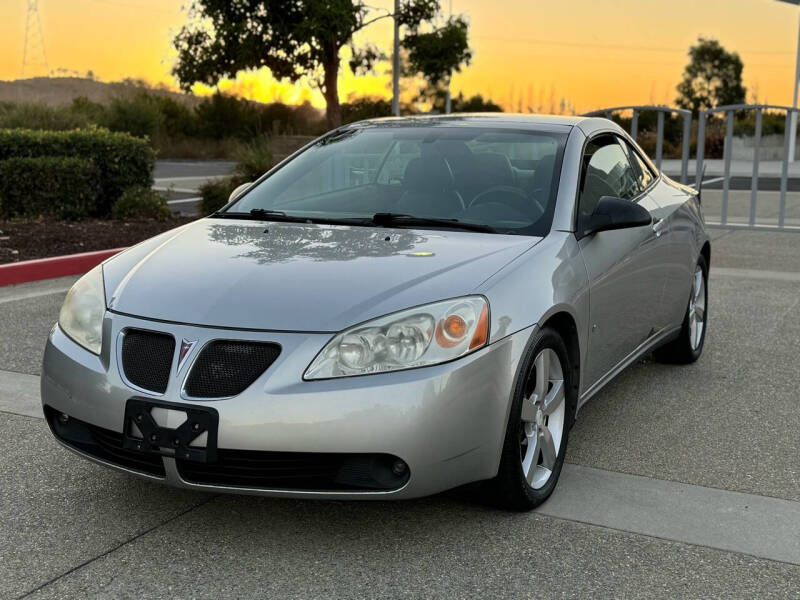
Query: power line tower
column 33, row 56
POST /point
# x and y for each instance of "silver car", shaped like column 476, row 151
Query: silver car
column 402, row 307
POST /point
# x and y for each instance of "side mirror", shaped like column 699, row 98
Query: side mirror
column 239, row 191
column 614, row 213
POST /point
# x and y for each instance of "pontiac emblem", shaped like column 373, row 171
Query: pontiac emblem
column 186, row 349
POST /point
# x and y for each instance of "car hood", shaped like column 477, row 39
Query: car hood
column 298, row 277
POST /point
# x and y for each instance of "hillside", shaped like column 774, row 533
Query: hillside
column 55, row 91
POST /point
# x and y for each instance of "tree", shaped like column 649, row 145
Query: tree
column 712, row 78
column 460, row 104
column 304, row 38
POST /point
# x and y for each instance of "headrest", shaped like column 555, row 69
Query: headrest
column 496, row 168
column 429, row 173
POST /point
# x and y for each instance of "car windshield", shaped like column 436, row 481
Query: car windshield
column 505, row 180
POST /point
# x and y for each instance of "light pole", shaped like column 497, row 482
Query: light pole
column 793, row 120
column 448, row 102
column 396, row 62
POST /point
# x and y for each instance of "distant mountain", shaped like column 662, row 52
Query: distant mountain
column 55, row 91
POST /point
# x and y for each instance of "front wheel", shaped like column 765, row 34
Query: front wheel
column 688, row 346
column 538, row 426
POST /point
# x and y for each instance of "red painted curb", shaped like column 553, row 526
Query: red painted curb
column 56, row 266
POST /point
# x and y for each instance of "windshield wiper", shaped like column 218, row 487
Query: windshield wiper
column 388, row 219
column 260, row 214
column 263, row 214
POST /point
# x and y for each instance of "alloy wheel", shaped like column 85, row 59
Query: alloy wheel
column 697, row 308
column 542, row 418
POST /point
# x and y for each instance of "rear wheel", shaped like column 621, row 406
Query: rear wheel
column 688, row 347
column 538, row 426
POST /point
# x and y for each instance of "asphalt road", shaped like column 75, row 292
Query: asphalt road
column 181, row 180
column 681, row 482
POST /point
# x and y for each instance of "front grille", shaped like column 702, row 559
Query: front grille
column 296, row 471
column 147, row 359
column 226, row 368
column 103, row 444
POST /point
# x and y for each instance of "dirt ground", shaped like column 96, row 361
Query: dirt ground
column 26, row 240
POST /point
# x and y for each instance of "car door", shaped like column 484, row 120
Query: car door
column 678, row 236
column 625, row 278
column 664, row 252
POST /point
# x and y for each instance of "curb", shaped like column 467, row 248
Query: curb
column 56, row 266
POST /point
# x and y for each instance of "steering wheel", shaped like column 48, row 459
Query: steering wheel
column 513, row 196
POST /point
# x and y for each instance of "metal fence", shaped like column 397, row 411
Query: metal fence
column 661, row 111
column 728, row 115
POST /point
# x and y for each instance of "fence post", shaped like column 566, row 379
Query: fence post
column 785, row 166
column 726, row 152
column 701, row 146
column 660, row 139
column 756, row 152
column 635, row 124
column 687, row 132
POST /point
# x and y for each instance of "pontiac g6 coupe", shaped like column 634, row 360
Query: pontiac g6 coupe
column 402, row 307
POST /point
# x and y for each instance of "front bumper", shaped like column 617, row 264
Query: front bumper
column 446, row 422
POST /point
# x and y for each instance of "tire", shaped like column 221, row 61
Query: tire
column 522, row 484
column 688, row 346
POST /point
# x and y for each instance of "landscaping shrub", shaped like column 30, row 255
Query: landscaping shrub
column 138, row 115
column 223, row 116
column 122, row 161
column 215, row 194
column 31, row 115
column 141, row 203
column 60, row 186
column 253, row 159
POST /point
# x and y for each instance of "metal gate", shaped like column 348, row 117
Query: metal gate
column 661, row 111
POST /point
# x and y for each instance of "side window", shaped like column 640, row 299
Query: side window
column 645, row 174
column 606, row 172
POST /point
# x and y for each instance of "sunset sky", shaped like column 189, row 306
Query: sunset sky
column 527, row 53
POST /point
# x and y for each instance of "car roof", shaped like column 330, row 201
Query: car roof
column 531, row 121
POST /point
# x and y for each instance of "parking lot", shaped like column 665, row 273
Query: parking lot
column 680, row 482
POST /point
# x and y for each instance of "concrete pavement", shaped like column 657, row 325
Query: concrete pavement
column 681, row 482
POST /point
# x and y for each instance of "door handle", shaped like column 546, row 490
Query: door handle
column 660, row 227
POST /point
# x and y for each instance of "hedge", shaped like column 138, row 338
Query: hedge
column 121, row 160
column 141, row 203
column 59, row 186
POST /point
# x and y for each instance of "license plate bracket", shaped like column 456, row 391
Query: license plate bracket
column 167, row 441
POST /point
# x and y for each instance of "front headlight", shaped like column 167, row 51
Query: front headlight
column 417, row 337
column 81, row 316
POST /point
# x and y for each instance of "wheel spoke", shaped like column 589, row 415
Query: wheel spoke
column 698, row 283
column 554, row 397
column 528, row 411
column 542, row 375
column 699, row 312
column 531, row 457
column 548, row 449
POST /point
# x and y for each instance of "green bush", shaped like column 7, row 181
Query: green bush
column 59, row 186
column 33, row 115
column 138, row 115
column 253, row 159
column 141, row 203
column 222, row 116
column 215, row 194
column 122, row 161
